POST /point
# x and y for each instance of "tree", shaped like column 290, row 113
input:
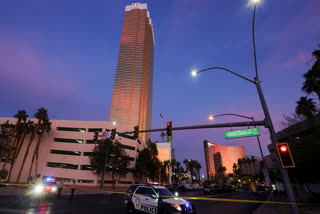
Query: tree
column 234, row 167
column 253, row 160
column 312, row 77
column 290, row 120
column 172, row 165
column 45, row 126
column 147, row 163
column 99, row 157
column 40, row 114
column 117, row 162
column 21, row 115
column 27, row 128
column 306, row 107
column 240, row 166
column 163, row 135
column 167, row 167
column 6, row 130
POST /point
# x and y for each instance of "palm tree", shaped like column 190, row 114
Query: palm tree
column 167, row 166
column 27, row 128
column 41, row 114
column 163, row 135
column 178, row 165
column 234, row 167
column 46, row 127
column 253, row 160
column 173, row 164
column 239, row 165
column 16, row 141
column 21, row 115
column 306, row 107
column 312, row 77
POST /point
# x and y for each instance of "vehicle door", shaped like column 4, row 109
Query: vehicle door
column 143, row 200
column 150, row 202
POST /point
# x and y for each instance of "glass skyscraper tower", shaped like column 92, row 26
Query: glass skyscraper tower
column 131, row 103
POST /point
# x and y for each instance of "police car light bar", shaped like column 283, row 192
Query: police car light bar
column 50, row 179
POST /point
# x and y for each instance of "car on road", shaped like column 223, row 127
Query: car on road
column 207, row 187
column 217, row 189
column 260, row 190
column 155, row 199
column 227, row 189
column 188, row 187
column 178, row 187
column 48, row 187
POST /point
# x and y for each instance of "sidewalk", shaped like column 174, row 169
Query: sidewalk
column 284, row 209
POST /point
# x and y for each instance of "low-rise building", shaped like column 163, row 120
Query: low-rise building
column 64, row 152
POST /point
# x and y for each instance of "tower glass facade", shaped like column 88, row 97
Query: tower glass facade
column 217, row 156
column 131, row 103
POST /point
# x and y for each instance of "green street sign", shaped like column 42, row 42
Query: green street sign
column 242, row 133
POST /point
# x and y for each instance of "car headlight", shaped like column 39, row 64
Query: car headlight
column 38, row 188
column 53, row 189
column 177, row 206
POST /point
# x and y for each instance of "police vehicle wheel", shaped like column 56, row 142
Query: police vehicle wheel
column 130, row 209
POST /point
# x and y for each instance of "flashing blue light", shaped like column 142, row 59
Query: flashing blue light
column 187, row 205
column 155, row 183
column 49, row 179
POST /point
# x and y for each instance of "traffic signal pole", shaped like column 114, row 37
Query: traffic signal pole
column 283, row 172
column 218, row 125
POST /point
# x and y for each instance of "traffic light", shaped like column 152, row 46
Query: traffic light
column 113, row 133
column 285, row 155
column 169, row 129
column 136, row 132
column 96, row 135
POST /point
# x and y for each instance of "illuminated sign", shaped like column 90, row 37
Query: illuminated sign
column 242, row 133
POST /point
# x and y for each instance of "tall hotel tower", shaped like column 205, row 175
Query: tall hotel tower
column 131, row 103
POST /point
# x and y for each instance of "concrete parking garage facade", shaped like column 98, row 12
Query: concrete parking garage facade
column 64, row 152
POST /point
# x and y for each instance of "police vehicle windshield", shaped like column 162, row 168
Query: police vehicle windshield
column 163, row 192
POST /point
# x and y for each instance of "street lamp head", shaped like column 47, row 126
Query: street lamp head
column 114, row 123
column 211, row 117
column 194, row 73
column 255, row 1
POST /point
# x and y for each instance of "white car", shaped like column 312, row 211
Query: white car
column 155, row 199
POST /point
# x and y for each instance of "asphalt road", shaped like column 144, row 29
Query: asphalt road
column 112, row 203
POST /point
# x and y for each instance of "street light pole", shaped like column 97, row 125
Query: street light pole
column 283, row 172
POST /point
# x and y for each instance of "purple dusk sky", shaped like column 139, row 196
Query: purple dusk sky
column 62, row 55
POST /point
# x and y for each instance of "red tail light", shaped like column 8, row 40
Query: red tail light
column 48, row 189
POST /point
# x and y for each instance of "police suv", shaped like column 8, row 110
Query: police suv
column 155, row 199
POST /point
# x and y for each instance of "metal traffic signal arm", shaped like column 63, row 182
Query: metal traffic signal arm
column 218, row 125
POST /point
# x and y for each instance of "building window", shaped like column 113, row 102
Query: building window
column 138, row 150
column 127, row 147
column 86, row 167
column 64, row 140
column 85, row 181
column 124, row 182
column 105, row 182
column 62, row 165
column 94, row 130
column 87, row 153
column 63, row 152
column 71, row 129
column 139, row 141
column 131, row 158
column 90, row 141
